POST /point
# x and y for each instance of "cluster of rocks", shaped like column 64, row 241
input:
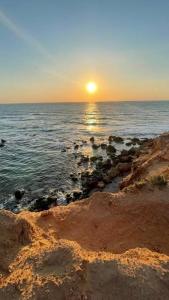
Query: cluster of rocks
column 105, row 168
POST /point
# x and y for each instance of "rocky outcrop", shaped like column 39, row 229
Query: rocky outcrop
column 109, row 246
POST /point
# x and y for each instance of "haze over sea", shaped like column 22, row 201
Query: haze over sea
column 36, row 134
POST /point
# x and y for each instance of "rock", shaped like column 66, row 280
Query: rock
column 110, row 139
column 103, row 146
column 77, row 195
column 101, row 185
column 63, row 150
column 126, row 158
column 111, row 149
column 2, row 144
column 124, row 152
column 106, row 179
column 93, row 158
column 73, row 177
column 129, row 144
column 107, row 164
column 84, row 159
column 118, row 139
column 123, row 167
column 76, row 147
column 92, row 139
column 135, row 140
column 19, row 194
column 113, row 172
column 3, row 141
column 44, row 203
column 95, row 147
column 134, row 151
column 68, row 198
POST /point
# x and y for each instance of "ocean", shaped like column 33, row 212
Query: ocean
column 39, row 153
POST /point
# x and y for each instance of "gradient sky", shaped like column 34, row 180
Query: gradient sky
column 49, row 49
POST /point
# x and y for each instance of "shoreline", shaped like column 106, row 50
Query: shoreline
column 100, row 165
column 112, row 244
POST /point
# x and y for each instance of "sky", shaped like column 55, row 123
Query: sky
column 50, row 49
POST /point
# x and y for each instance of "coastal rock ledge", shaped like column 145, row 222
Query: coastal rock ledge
column 109, row 246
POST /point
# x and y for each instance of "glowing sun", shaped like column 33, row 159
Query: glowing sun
column 91, row 87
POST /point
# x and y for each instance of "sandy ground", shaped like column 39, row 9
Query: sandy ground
column 110, row 246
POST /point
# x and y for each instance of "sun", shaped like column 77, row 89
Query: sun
column 91, row 87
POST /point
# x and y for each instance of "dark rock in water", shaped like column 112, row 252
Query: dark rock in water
column 3, row 141
column 84, row 142
column 84, row 159
column 93, row 158
column 111, row 149
column 118, row 139
column 73, row 177
column 19, row 194
column 95, row 147
column 110, row 139
column 76, row 147
column 68, row 198
column 103, row 146
column 92, row 139
column 135, row 140
column 44, row 203
column 63, row 150
column 107, row 164
column 77, row 195
column 129, row 144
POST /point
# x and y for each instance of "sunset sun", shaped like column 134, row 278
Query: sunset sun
column 91, row 87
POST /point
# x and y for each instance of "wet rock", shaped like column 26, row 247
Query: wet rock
column 76, row 147
column 44, row 203
column 95, row 147
column 68, row 198
column 77, row 195
column 93, row 158
column 106, row 178
column 125, row 158
column 118, row 139
column 129, row 144
column 19, row 194
column 2, row 143
column 111, row 149
column 107, row 164
column 124, row 167
column 113, row 172
column 134, row 151
column 103, row 146
column 92, row 139
column 73, row 177
column 135, row 140
column 63, row 150
column 110, row 139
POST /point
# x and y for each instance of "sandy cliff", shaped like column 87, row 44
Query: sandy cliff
column 110, row 246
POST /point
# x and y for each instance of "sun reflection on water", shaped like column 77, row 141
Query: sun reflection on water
column 92, row 117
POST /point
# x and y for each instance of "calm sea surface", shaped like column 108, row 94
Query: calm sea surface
column 36, row 135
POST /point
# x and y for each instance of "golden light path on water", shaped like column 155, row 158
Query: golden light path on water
column 92, row 117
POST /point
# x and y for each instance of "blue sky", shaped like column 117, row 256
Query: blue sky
column 49, row 49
